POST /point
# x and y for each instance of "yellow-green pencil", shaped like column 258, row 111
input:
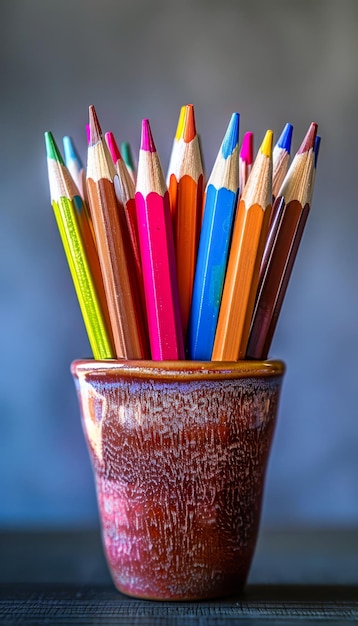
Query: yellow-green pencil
column 81, row 254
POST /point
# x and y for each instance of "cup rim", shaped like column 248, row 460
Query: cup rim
column 167, row 370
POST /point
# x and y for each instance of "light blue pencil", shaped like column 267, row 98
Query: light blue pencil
column 219, row 211
column 74, row 165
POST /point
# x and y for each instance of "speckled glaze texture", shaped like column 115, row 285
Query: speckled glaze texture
column 179, row 452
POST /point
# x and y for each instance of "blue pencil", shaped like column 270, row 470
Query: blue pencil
column 219, row 211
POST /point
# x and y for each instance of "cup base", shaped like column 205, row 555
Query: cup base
column 226, row 588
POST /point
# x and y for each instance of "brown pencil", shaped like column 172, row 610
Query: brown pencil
column 112, row 239
column 281, row 250
column 249, row 236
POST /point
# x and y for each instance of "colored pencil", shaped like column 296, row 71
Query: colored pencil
column 249, row 236
column 317, row 145
column 188, row 174
column 177, row 139
column 246, row 158
column 113, row 248
column 280, row 159
column 219, row 212
column 126, row 195
column 157, row 254
column 127, row 156
column 296, row 192
column 80, row 251
column 74, row 165
column 278, row 209
column 171, row 179
column 88, row 134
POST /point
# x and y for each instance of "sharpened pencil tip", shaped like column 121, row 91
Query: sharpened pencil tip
column 189, row 130
column 147, row 142
column 52, row 150
column 113, row 147
column 231, row 138
column 266, row 146
column 180, row 126
column 247, row 148
column 285, row 138
column 95, row 128
column 317, row 145
column 88, row 134
column 309, row 139
column 70, row 151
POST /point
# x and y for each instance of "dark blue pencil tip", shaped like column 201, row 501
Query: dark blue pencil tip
column 285, row 138
column 70, row 151
column 317, row 144
column 231, row 138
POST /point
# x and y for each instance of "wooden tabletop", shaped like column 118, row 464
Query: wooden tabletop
column 301, row 577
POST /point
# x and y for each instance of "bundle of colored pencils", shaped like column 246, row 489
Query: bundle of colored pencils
column 168, row 269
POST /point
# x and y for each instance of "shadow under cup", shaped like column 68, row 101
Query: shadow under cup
column 179, row 452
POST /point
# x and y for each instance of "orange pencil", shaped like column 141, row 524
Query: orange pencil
column 113, row 249
column 187, row 171
column 249, row 235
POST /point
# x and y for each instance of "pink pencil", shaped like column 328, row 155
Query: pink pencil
column 157, row 254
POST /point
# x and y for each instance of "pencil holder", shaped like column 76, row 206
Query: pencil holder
column 179, row 451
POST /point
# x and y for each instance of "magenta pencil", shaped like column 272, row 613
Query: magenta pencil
column 157, row 254
column 246, row 159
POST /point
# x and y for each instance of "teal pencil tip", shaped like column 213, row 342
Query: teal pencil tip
column 52, row 149
column 127, row 154
column 231, row 138
column 70, row 151
column 285, row 138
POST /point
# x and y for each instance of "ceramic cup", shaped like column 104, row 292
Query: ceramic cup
column 179, row 452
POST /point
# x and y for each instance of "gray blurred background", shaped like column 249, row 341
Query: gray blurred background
column 273, row 62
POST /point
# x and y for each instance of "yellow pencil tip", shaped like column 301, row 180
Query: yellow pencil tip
column 181, row 120
column 266, row 146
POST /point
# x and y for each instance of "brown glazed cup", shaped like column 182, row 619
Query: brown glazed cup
column 179, row 452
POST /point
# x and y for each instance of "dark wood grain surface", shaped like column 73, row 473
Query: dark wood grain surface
column 62, row 578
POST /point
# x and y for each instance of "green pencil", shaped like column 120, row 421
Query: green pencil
column 78, row 242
